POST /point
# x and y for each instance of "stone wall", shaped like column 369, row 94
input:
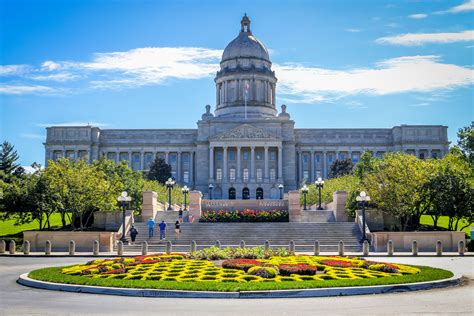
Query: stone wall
column 402, row 241
column 60, row 240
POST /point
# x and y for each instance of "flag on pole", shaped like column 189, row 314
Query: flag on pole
column 247, row 87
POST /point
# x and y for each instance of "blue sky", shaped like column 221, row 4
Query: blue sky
column 150, row 64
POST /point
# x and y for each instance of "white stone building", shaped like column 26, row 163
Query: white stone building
column 245, row 149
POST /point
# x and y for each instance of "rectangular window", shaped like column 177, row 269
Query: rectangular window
column 218, row 174
column 186, row 176
column 246, row 174
column 355, row 158
column 148, row 160
column 318, row 158
column 259, row 175
column 173, row 159
column 306, row 174
column 218, row 155
column 273, row 155
column 57, row 154
column 272, row 174
column 173, row 174
column 123, row 157
column 84, row 155
column 232, row 174
column 434, row 155
column 318, row 174
column 70, row 154
column 422, row 155
column 185, row 159
column 136, row 157
column 342, row 156
column 305, row 158
column 162, row 156
column 232, row 155
column 112, row 156
column 330, row 158
column 258, row 155
column 245, row 155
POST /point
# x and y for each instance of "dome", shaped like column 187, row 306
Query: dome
column 245, row 45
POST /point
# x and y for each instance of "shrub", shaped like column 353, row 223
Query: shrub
column 241, row 264
column 264, row 272
column 246, row 215
column 339, row 263
column 384, row 267
column 300, row 268
column 211, row 253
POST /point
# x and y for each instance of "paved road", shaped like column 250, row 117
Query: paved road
column 19, row 300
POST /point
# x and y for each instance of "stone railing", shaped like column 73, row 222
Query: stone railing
column 215, row 205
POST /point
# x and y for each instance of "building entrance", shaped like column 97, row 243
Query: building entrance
column 232, row 194
column 259, row 194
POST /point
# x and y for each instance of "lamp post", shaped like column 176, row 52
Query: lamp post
column 185, row 191
column 123, row 201
column 319, row 184
column 169, row 184
column 210, row 191
column 363, row 199
column 305, row 191
column 280, row 187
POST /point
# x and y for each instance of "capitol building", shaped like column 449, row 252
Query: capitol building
column 245, row 147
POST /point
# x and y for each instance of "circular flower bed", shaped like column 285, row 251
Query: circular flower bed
column 178, row 271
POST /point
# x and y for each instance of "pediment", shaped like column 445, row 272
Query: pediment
column 245, row 131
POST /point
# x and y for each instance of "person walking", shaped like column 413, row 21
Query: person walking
column 177, row 229
column 151, row 227
column 180, row 215
column 133, row 234
column 162, row 226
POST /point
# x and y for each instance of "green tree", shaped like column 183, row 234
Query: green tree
column 159, row 170
column 341, row 168
column 365, row 164
column 465, row 145
column 8, row 160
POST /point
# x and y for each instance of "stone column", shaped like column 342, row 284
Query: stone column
column 239, row 174
column 324, row 164
column 178, row 169
column 266, row 162
column 117, row 156
column 280, row 163
column 300, row 166
column 211, row 163
column 252, row 163
column 130, row 159
column 191, row 167
column 167, row 155
column 142, row 160
column 429, row 153
column 195, row 198
column 311, row 177
column 224, row 164
column 149, row 205
column 417, row 153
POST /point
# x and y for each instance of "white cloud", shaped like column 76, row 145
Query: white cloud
column 413, row 39
column 32, row 136
column 74, row 123
column 397, row 75
column 418, row 16
column 8, row 70
column 465, row 7
column 151, row 65
column 50, row 66
column 422, row 104
column 61, row 77
column 352, row 30
column 25, row 89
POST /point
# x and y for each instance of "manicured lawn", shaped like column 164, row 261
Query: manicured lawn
column 443, row 222
column 178, row 273
column 8, row 227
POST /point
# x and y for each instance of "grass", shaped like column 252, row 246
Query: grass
column 8, row 227
column 443, row 222
column 53, row 274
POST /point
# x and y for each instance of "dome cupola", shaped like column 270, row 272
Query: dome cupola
column 245, row 83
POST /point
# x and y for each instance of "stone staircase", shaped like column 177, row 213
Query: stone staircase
column 254, row 234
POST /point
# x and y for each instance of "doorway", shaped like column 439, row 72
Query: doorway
column 245, row 194
column 232, row 194
column 259, row 194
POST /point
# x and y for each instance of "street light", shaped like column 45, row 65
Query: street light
column 304, row 189
column 319, row 184
column 281, row 191
column 210, row 191
column 123, row 201
column 363, row 199
column 169, row 184
column 185, row 191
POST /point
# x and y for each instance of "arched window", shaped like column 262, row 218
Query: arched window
column 232, row 194
column 259, row 194
column 245, row 194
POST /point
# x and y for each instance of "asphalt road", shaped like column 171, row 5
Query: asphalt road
column 16, row 299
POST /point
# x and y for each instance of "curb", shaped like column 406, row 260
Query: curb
column 322, row 292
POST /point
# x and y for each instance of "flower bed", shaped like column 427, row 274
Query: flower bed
column 246, row 215
column 177, row 271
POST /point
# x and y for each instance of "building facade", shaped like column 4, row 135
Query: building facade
column 246, row 148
